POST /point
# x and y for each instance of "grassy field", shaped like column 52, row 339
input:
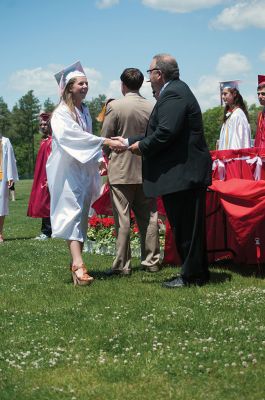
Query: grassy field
column 122, row 338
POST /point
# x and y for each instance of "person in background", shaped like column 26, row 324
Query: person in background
column 39, row 201
column 124, row 117
column 12, row 192
column 235, row 132
column 260, row 133
column 8, row 175
column 73, row 167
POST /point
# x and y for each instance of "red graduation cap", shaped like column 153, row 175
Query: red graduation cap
column 44, row 116
column 261, row 80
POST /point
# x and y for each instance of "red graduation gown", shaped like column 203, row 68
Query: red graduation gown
column 39, row 201
column 260, row 133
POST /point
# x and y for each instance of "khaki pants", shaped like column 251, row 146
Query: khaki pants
column 124, row 199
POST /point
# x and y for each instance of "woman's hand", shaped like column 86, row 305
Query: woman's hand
column 103, row 168
column 117, row 144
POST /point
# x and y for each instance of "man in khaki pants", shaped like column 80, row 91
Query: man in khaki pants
column 127, row 117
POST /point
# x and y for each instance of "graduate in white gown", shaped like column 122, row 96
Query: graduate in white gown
column 235, row 132
column 8, row 175
column 73, row 167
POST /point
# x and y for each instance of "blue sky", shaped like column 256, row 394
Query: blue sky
column 212, row 40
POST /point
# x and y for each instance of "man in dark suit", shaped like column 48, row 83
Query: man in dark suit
column 177, row 166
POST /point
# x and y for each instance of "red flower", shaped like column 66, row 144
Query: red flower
column 135, row 228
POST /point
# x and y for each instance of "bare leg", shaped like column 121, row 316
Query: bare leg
column 2, row 220
column 75, row 249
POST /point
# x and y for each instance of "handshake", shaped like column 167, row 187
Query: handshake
column 118, row 144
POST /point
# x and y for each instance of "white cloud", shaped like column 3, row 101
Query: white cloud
column 114, row 90
column 42, row 80
column 94, row 78
column 262, row 55
column 180, row 6
column 101, row 4
column 146, row 91
column 229, row 67
column 207, row 91
column 38, row 79
column 242, row 15
column 252, row 98
column 231, row 64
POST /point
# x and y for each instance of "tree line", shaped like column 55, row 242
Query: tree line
column 21, row 126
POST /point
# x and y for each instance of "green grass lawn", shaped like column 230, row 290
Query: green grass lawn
column 122, row 338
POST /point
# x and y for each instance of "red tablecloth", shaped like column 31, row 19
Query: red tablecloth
column 235, row 205
column 235, row 221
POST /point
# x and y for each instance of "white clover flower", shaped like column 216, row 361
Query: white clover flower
column 244, row 364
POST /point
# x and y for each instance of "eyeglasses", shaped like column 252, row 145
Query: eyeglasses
column 153, row 69
column 261, row 93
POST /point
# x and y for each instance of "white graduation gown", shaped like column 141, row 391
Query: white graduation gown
column 235, row 132
column 9, row 172
column 73, row 174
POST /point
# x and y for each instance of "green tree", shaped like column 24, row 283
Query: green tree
column 48, row 105
column 95, row 106
column 253, row 115
column 212, row 121
column 5, row 118
column 24, row 128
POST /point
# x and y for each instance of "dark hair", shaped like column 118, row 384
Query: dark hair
column 238, row 102
column 261, row 85
column 132, row 78
column 168, row 66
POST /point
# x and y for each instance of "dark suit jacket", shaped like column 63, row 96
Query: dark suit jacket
column 174, row 150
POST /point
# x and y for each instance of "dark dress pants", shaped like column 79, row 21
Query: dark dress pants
column 46, row 227
column 186, row 214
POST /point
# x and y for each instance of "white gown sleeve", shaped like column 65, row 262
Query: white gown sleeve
column 79, row 144
column 242, row 138
column 11, row 163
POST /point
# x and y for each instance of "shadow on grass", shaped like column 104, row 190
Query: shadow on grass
column 155, row 277
column 20, row 238
column 248, row 270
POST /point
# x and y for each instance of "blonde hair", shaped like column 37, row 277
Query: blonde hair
column 68, row 98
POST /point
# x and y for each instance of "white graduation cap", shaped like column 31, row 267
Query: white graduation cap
column 229, row 85
column 72, row 71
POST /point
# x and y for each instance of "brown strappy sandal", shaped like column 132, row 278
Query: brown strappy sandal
column 81, row 276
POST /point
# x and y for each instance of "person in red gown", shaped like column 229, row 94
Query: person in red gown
column 39, row 201
column 260, row 133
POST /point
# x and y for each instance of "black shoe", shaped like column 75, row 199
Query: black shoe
column 175, row 283
column 117, row 272
column 180, row 282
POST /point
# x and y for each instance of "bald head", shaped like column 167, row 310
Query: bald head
column 167, row 65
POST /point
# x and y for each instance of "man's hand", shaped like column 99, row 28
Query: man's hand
column 134, row 148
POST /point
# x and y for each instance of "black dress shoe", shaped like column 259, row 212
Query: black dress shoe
column 117, row 272
column 180, row 282
column 175, row 283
